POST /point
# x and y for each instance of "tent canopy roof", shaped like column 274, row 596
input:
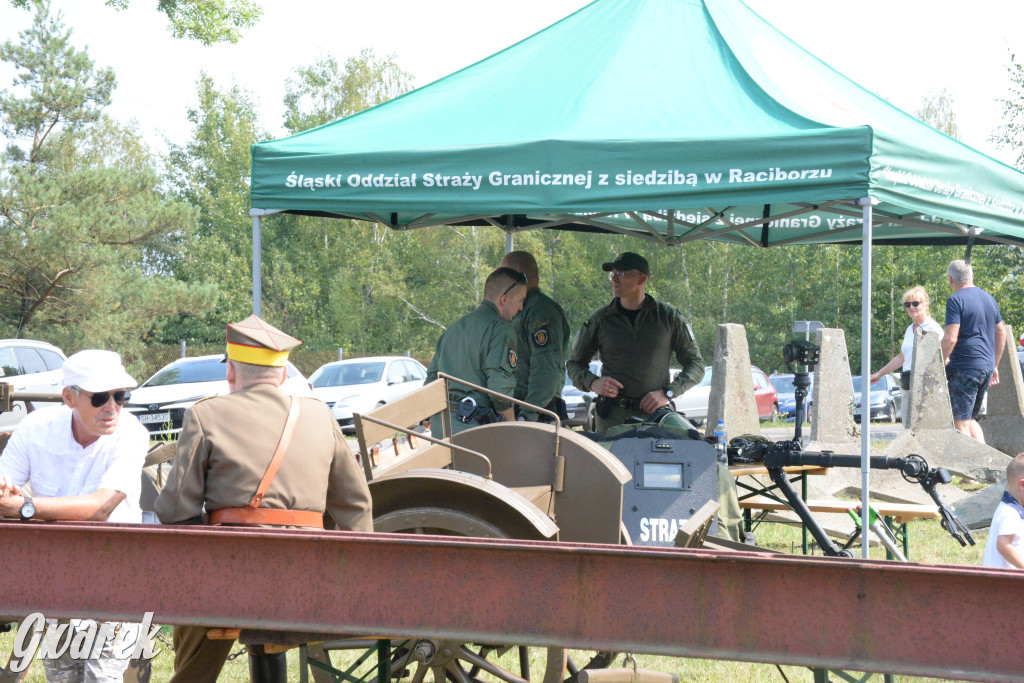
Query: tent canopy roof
column 672, row 120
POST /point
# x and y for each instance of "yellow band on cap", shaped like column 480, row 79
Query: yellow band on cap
column 255, row 355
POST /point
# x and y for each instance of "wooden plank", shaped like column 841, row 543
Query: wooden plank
column 765, row 503
column 407, row 411
column 745, row 470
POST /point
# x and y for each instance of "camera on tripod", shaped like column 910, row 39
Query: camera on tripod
column 801, row 352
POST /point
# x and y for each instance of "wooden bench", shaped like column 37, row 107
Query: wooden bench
column 898, row 513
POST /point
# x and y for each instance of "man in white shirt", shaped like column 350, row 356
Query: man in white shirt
column 83, row 460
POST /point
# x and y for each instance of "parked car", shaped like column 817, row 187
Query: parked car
column 580, row 404
column 161, row 401
column 765, row 396
column 786, row 392
column 32, row 367
column 886, row 398
column 359, row 385
column 693, row 403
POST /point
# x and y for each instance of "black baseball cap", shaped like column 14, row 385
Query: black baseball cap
column 628, row 261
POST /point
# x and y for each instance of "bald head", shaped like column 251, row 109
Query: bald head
column 523, row 262
column 1015, row 471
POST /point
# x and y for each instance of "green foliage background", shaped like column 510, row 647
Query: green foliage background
column 105, row 244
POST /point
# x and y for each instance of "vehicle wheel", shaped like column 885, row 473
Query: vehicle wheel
column 379, row 404
column 452, row 660
column 890, row 412
column 775, row 416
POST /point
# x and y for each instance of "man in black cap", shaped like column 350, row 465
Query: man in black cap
column 637, row 338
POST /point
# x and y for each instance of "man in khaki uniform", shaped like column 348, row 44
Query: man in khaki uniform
column 637, row 338
column 257, row 457
column 541, row 335
column 478, row 348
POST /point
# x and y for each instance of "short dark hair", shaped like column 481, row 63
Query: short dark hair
column 500, row 281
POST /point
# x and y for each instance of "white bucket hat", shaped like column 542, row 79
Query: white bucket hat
column 94, row 370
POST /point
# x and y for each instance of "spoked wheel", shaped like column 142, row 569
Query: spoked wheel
column 470, row 662
column 442, row 661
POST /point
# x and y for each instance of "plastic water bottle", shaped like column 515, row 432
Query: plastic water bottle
column 721, row 443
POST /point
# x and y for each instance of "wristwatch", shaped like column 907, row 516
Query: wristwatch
column 670, row 394
column 28, row 508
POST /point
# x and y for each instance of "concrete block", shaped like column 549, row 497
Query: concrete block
column 928, row 394
column 732, row 389
column 958, row 453
column 976, row 510
column 931, row 434
column 886, row 485
column 1003, row 425
column 832, row 425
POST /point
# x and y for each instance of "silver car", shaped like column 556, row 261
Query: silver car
column 32, row 367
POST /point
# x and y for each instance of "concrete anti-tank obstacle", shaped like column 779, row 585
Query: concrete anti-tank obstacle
column 1003, row 424
column 732, row 389
column 833, row 429
column 832, row 425
column 930, row 432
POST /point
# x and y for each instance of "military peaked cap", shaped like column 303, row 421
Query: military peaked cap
column 257, row 342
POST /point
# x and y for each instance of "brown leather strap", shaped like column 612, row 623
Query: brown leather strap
column 248, row 516
column 275, row 462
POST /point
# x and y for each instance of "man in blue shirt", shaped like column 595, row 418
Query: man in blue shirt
column 972, row 345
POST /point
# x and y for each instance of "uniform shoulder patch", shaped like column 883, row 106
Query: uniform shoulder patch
column 513, row 358
column 541, row 337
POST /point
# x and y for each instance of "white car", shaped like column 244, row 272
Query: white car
column 161, row 401
column 359, row 385
column 693, row 403
column 32, row 367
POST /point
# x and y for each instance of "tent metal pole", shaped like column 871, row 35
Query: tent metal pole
column 257, row 258
column 257, row 265
column 865, row 373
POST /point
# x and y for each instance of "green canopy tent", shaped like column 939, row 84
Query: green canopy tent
column 670, row 120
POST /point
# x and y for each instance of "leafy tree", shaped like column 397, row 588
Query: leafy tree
column 211, row 174
column 325, row 91
column 936, row 109
column 207, row 21
column 1010, row 134
column 83, row 220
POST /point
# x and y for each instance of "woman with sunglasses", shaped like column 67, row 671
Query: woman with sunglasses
column 916, row 301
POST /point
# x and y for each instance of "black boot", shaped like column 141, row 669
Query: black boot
column 264, row 668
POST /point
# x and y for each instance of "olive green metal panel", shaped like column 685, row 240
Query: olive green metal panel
column 451, row 490
column 589, row 508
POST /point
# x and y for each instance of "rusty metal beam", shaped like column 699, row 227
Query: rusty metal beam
column 951, row 622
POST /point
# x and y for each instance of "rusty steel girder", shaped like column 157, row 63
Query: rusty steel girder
column 951, row 622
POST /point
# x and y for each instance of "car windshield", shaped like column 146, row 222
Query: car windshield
column 783, row 385
column 186, row 372
column 348, row 374
column 877, row 386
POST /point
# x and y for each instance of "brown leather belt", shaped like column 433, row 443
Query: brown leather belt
column 304, row 518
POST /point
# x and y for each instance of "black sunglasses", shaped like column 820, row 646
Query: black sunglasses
column 100, row 398
column 521, row 280
column 908, row 304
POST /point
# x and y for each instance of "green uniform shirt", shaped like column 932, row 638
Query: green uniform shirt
column 541, row 337
column 477, row 348
column 637, row 354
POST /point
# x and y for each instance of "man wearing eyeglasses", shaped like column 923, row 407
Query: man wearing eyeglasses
column 478, row 348
column 84, row 461
column 637, row 338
